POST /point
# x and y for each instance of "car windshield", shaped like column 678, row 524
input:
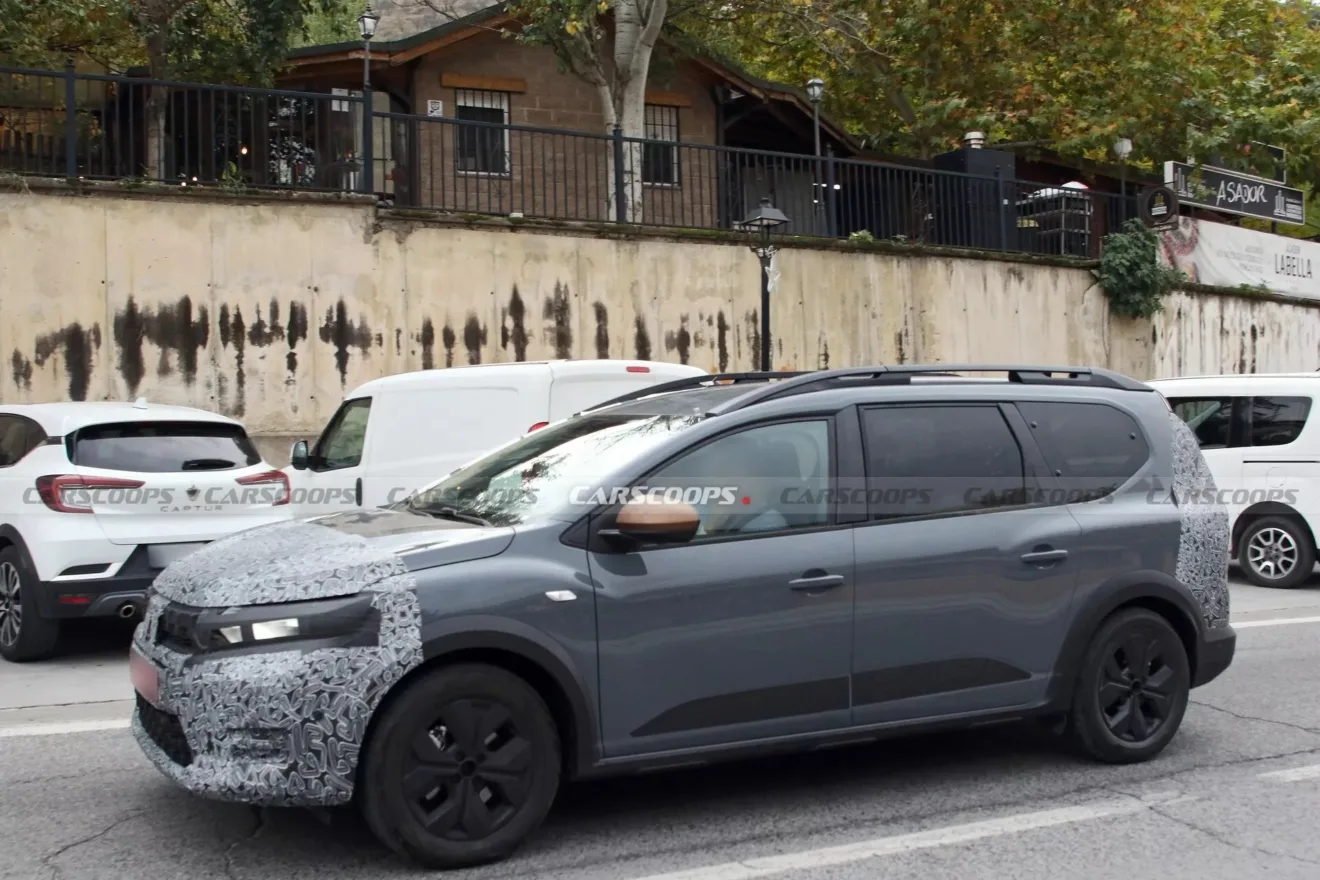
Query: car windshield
column 536, row 475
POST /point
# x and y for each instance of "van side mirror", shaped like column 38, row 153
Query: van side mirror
column 299, row 457
column 654, row 522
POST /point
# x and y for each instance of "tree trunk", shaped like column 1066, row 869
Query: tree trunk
column 157, row 16
column 637, row 25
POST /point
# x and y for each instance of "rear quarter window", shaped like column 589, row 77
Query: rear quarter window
column 1278, row 421
column 164, row 447
column 1092, row 448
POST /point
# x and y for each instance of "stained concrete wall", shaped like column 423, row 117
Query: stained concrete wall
column 270, row 312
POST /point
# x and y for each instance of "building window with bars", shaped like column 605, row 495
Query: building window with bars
column 660, row 160
column 481, row 149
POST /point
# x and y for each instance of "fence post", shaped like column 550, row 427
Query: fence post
column 70, row 121
column 368, row 142
column 1000, row 218
column 831, row 217
column 620, row 197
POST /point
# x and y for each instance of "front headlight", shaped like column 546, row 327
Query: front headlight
column 261, row 631
column 347, row 621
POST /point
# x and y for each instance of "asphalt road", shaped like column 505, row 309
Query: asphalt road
column 1233, row 797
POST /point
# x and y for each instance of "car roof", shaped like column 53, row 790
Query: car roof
column 560, row 368
column 1250, row 383
column 58, row 419
column 724, row 392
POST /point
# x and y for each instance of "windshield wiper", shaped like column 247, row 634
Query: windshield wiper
column 207, row 464
column 451, row 513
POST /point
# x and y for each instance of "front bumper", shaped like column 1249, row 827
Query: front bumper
column 272, row 728
column 1215, row 654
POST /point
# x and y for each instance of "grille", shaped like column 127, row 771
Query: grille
column 165, row 731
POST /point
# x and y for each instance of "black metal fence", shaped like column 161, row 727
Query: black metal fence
column 133, row 128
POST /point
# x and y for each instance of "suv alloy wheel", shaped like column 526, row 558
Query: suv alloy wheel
column 462, row 768
column 1275, row 551
column 24, row 634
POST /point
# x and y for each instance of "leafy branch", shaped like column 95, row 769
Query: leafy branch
column 1131, row 274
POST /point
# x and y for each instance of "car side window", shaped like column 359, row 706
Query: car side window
column 341, row 444
column 1210, row 418
column 1278, row 421
column 1092, row 448
column 932, row 460
column 770, row 478
column 13, row 440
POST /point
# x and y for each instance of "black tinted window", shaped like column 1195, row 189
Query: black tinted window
column 1090, row 447
column 164, row 447
column 923, row 460
column 1210, row 418
column 1278, row 420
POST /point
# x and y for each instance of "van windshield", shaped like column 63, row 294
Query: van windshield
column 537, row 474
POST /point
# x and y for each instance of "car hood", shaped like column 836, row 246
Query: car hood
column 323, row 557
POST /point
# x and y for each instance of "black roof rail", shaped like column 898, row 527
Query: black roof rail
column 690, row 382
column 820, row 380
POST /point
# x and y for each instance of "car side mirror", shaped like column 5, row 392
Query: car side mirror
column 654, row 522
column 299, row 457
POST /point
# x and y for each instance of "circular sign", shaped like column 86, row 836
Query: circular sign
column 1159, row 206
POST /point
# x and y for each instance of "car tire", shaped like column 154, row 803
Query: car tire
column 1135, row 671
column 1272, row 541
column 423, row 775
column 24, row 634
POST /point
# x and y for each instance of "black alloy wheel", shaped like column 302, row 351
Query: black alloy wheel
column 1132, row 691
column 462, row 767
column 1136, row 688
column 469, row 771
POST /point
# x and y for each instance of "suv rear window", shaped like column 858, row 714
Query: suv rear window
column 1091, row 447
column 164, row 447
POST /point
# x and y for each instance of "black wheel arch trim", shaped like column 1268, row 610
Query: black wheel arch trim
column 1130, row 588
column 454, row 635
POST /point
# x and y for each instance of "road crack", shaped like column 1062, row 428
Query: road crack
column 1243, row 717
column 1219, row 837
column 259, row 826
column 49, row 859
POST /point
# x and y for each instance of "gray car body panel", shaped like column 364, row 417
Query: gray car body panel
column 684, row 654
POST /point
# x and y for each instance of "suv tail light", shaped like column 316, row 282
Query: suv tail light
column 61, row 492
column 538, row 426
column 269, row 478
column 638, row 369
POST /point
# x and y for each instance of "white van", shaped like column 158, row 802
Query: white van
column 395, row 434
column 1264, row 452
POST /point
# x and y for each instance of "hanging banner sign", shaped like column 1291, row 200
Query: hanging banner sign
column 1234, row 193
column 1230, row 256
column 1159, row 207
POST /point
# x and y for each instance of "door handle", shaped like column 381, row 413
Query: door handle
column 1044, row 557
column 816, row 583
column 357, row 492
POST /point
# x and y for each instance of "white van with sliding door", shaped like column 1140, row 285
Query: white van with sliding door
column 1263, row 449
column 393, row 435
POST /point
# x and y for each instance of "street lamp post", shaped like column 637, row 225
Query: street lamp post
column 815, row 91
column 1123, row 149
column 765, row 219
column 367, row 22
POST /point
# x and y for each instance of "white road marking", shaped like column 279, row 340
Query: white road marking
column 1295, row 774
column 814, row 859
column 1274, row 621
column 64, row 727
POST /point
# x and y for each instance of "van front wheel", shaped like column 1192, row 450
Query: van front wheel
column 1276, row 551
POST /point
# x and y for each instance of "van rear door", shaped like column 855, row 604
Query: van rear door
column 422, row 434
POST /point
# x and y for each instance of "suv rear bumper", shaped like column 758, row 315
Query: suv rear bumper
column 1215, row 654
column 100, row 597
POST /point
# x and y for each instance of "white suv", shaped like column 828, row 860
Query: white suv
column 1263, row 448
column 97, row 498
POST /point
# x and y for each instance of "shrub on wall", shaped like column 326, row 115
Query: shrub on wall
column 1131, row 274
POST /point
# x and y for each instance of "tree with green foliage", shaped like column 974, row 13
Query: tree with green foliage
column 1181, row 78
